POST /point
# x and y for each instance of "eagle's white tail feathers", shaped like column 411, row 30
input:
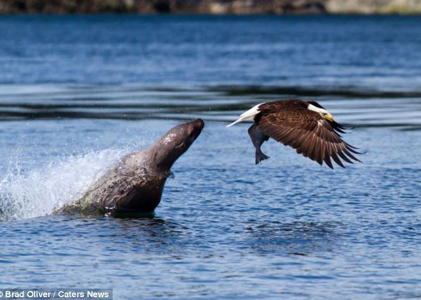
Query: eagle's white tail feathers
column 247, row 115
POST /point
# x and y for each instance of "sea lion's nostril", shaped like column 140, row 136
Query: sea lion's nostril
column 201, row 123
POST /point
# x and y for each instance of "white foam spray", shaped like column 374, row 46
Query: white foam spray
column 39, row 191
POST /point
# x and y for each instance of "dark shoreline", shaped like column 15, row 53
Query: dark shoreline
column 209, row 7
column 163, row 6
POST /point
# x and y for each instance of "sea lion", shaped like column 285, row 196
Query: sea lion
column 135, row 185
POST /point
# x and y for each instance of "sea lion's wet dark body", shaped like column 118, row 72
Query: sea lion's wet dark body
column 136, row 184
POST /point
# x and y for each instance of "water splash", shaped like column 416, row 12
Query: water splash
column 39, row 191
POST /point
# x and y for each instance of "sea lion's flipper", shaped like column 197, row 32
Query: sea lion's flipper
column 258, row 138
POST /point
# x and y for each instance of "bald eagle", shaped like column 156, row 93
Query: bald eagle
column 303, row 125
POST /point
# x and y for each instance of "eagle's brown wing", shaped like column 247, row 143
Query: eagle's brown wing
column 307, row 132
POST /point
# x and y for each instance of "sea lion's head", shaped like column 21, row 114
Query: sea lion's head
column 175, row 142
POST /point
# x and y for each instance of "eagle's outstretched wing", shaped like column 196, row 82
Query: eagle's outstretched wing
column 292, row 124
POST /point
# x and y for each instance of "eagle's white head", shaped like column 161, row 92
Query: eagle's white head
column 323, row 112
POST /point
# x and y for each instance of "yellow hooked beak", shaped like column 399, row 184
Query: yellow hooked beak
column 328, row 117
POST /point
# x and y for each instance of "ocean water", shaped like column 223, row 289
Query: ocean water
column 79, row 92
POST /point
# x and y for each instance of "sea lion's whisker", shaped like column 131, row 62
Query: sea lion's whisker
column 206, row 132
